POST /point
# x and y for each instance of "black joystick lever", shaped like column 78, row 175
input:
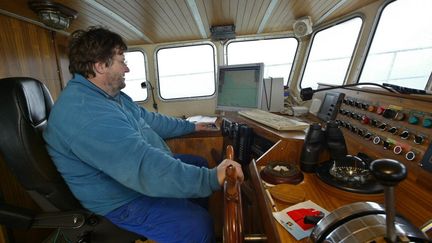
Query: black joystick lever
column 389, row 173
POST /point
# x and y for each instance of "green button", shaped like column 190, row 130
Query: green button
column 427, row 122
column 413, row 120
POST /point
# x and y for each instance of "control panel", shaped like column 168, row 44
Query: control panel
column 388, row 125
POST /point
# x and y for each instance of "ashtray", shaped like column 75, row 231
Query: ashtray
column 281, row 172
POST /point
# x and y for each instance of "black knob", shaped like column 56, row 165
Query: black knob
column 382, row 126
column 393, row 130
column 387, row 144
column 405, row 134
column 388, row 172
column 418, row 139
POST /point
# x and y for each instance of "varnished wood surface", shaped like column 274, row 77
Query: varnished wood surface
column 2, row 234
column 28, row 50
column 413, row 195
column 153, row 22
column 233, row 215
column 265, row 131
column 208, row 145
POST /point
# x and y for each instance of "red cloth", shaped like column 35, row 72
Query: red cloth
column 298, row 215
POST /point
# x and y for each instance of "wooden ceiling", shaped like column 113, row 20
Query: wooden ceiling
column 159, row 21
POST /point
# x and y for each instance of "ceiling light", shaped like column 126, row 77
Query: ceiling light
column 54, row 15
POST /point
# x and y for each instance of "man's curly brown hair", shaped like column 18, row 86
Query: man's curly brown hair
column 96, row 44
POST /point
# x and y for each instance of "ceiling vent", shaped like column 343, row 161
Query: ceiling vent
column 303, row 26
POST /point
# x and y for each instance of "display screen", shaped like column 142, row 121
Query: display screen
column 239, row 86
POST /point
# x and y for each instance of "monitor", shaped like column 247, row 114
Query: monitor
column 240, row 87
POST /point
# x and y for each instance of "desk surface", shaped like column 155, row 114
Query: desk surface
column 411, row 200
column 315, row 190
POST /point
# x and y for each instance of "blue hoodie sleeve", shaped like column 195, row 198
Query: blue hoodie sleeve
column 110, row 144
column 166, row 126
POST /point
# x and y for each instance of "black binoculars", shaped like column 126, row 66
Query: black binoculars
column 318, row 139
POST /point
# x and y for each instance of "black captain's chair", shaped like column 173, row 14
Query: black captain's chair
column 24, row 107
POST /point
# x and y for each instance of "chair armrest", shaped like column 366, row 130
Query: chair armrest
column 14, row 217
column 22, row 218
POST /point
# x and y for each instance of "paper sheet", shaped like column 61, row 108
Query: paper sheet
column 205, row 119
column 290, row 225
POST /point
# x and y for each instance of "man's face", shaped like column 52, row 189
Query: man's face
column 115, row 76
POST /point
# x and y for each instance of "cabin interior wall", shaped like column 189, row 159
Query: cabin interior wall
column 26, row 50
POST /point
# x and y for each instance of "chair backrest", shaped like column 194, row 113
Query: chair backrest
column 25, row 104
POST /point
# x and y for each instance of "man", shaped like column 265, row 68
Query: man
column 111, row 151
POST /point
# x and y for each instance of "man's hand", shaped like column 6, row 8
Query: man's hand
column 221, row 170
column 205, row 126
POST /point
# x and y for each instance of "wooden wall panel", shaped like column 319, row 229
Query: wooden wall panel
column 28, row 50
column 25, row 50
column 211, row 149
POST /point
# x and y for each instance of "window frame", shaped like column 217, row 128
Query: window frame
column 324, row 27
column 268, row 37
column 132, row 49
column 179, row 45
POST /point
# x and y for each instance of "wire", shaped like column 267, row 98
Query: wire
column 144, row 85
column 359, row 84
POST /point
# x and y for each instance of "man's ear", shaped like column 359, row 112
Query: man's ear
column 100, row 67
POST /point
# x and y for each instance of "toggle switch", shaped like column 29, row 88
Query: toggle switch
column 405, row 134
column 368, row 136
column 418, row 139
column 400, row 116
column 382, row 126
column 387, row 144
column 393, row 130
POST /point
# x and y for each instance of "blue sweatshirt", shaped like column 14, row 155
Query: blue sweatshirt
column 110, row 150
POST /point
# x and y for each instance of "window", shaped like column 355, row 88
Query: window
column 276, row 54
column 331, row 53
column 136, row 75
column 186, row 71
column 401, row 51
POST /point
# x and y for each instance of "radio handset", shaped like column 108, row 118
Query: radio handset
column 244, row 144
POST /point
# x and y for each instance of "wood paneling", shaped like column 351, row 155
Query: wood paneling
column 28, row 50
column 168, row 21
column 3, row 235
column 209, row 146
column 413, row 195
column 25, row 50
